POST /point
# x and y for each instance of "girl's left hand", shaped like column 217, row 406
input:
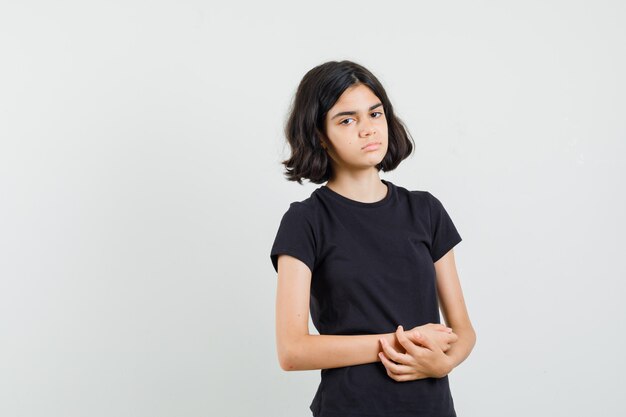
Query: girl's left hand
column 418, row 362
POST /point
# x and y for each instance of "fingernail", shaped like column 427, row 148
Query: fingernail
column 400, row 327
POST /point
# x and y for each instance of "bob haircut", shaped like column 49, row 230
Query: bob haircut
column 318, row 91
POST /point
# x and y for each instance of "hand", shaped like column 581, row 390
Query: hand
column 443, row 336
column 418, row 362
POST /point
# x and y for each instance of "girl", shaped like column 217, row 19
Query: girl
column 372, row 260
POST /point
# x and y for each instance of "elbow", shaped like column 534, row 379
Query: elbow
column 288, row 356
column 287, row 363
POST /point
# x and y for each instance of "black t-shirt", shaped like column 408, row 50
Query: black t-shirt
column 372, row 269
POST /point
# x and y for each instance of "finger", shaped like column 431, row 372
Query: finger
column 412, row 337
column 441, row 327
column 392, row 375
column 396, row 376
column 399, row 378
column 393, row 354
column 451, row 338
column 410, row 347
column 424, row 340
column 394, row 368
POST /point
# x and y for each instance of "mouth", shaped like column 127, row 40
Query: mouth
column 371, row 145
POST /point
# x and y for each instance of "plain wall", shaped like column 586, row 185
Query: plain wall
column 141, row 190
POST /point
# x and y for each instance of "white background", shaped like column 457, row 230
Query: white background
column 141, row 190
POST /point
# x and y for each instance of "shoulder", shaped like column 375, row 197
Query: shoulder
column 421, row 197
column 305, row 208
column 426, row 197
column 302, row 212
column 423, row 201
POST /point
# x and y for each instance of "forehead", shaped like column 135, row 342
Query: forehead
column 357, row 97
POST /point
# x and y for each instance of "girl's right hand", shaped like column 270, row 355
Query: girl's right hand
column 443, row 336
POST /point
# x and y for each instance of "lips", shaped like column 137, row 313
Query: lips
column 371, row 143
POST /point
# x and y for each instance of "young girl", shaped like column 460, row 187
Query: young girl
column 372, row 260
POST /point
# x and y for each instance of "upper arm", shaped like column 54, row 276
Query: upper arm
column 292, row 303
column 450, row 293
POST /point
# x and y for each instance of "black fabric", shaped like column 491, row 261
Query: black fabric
column 372, row 269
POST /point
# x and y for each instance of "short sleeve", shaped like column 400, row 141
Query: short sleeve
column 444, row 235
column 295, row 237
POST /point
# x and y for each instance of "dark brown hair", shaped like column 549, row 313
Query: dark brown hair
column 318, row 91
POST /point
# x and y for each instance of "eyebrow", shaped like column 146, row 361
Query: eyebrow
column 347, row 113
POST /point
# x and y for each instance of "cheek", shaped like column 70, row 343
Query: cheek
column 336, row 132
column 341, row 135
column 384, row 125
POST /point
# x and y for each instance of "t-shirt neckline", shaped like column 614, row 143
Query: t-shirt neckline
column 355, row 203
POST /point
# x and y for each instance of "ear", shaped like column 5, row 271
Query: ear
column 323, row 141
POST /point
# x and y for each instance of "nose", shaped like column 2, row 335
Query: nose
column 367, row 129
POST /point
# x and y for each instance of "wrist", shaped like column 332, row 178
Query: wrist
column 393, row 342
column 447, row 366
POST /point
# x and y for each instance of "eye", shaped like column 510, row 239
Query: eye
column 378, row 112
column 342, row 122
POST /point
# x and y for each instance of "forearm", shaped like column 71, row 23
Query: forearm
column 333, row 351
column 460, row 350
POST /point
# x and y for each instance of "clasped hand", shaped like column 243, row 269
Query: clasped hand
column 425, row 353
